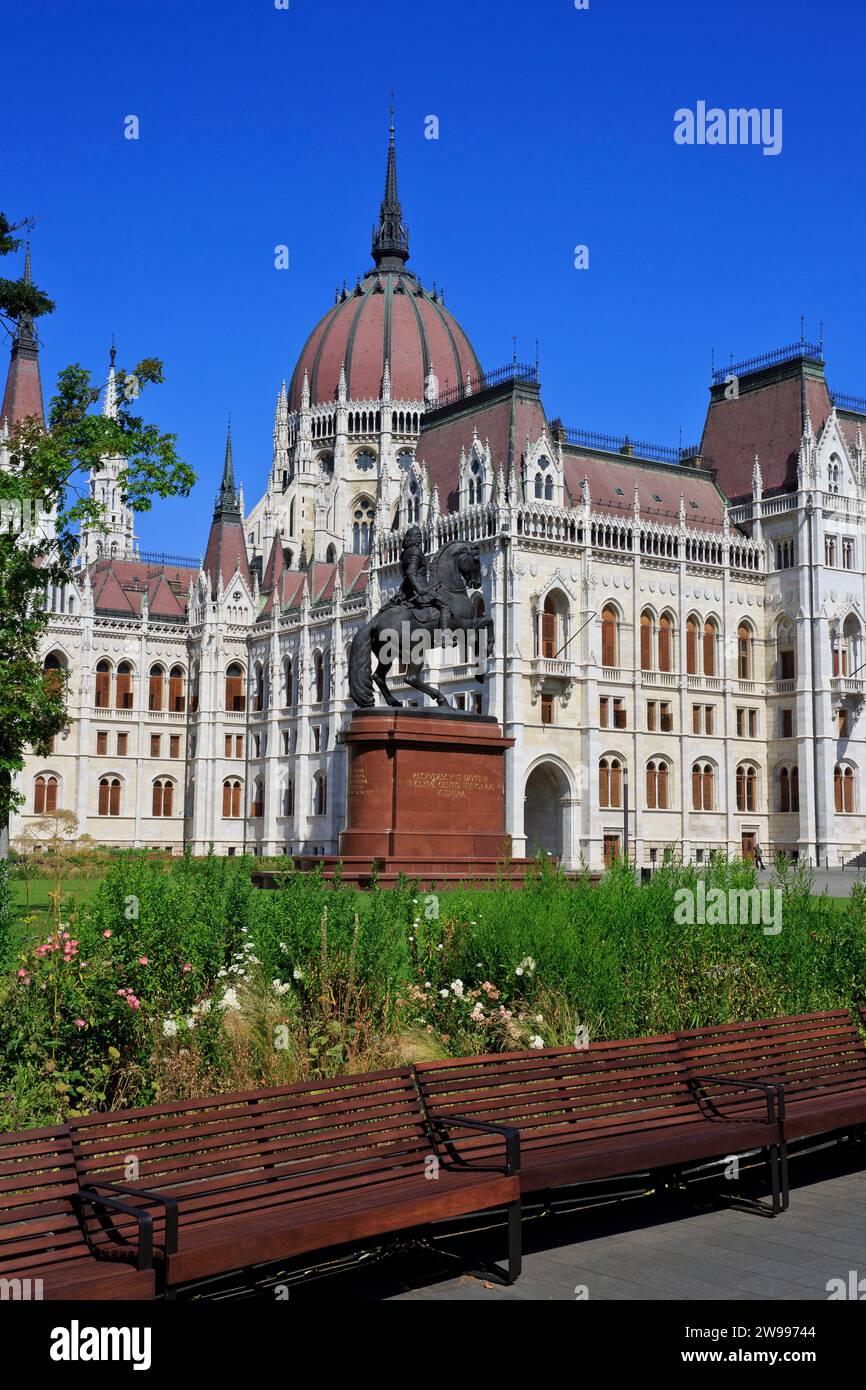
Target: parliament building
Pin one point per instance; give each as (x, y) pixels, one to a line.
(678, 651)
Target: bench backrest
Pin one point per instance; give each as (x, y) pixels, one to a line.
(810, 1053)
(607, 1087)
(315, 1135)
(38, 1188)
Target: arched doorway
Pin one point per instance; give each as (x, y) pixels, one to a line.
(543, 811)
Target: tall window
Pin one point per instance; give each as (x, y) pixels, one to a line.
(45, 795)
(289, 681)
(789, 789)
(232, 790)
(109, 796)
(646, 641)
(176, 695)
(843, 787)
(703, 787)
(610, 783)
(548, 629)
(609, 636)
(544, 480)
(289, 798)
(123, 686)
(163, 792)
(691, 647)
(744, 652)
(666, 628)
(709, 647)
(102, 698)
(657, 785)
(235, 697)
(258, 687)
(747, 788)
(258, 806)
(362, 525)
(320, 794)
(476, 483)
(155, 685)
(319, 677)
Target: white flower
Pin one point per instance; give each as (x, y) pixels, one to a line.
(457, 988)
(439, 947)
(443, 994)
(279, 987)
(230, 1000)
(169, 1028)
(477, 1013)
(536, 1041)
(221, 974)
(283, 947)
(427, 984)
(539, 1018)
(248, 946)
(190, 1023)
(253, 960)
(297, 973)
(519, 970)
(527, 964)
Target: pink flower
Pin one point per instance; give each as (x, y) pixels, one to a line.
(142, 960)
(106, 933)
(187, 968)
(79, 1023)
(22, 974)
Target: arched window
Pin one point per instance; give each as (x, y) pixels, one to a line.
(331, 554)
(610, 783)
(548, 628)
(320, 794)
(176, 693)
(363, 513)
(163, 793)
(235, 697)
(289, 681)
(413, 503)
(405, 459)
(45, 794)
(784, 789)
(102, 698)
(646, 641)
(258, 806)
(657, 785)
(476, 483)
(544, 480)
(744, 652)
(609, 636)
(786, 667)
(289, 798)
(258, 687)
(666, 628)
(123, 686)
(703, 787)
(53, 668)
(232, 790)
(319, 677)
(155, 684)
(710, 635)
(692, 647)
(747, 788)
(844, 788)
(326, 464)
(109, 796)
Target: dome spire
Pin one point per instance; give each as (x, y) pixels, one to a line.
(391, 238)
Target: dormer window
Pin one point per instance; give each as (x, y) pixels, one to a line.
(544, 480)
(476, 483)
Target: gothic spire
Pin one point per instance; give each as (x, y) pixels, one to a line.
(227, 498)
(23, 394)
(391, 238)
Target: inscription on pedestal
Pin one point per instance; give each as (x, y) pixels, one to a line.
(453, 785)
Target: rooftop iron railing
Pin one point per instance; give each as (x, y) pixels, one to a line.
(813, 351)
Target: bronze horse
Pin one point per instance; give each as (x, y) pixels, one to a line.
(452, 571)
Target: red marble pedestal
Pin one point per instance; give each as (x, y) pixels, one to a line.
(425, 798)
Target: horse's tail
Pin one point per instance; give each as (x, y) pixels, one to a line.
(360, 668)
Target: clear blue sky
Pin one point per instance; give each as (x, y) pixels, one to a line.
(262, 126)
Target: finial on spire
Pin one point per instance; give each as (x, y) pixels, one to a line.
(227, 497)
(391, 237)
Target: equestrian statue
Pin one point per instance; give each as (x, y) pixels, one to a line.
(437, 600)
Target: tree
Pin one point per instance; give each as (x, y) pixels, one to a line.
(49, 469)
(58, 835)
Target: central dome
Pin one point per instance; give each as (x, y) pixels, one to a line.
(388, 318)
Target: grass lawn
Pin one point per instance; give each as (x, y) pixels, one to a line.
(34, 922)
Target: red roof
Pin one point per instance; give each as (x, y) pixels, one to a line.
(653, 482)
(23, 394)
(119, 587)
(764, 419)
(392, 319)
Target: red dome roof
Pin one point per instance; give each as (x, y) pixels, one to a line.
(388, 318)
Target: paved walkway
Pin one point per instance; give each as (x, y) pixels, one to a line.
(836, 882)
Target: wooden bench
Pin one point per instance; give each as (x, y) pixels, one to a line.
(614, 1109)
(254, 1178)
(819, 1059)
(56, 1243)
